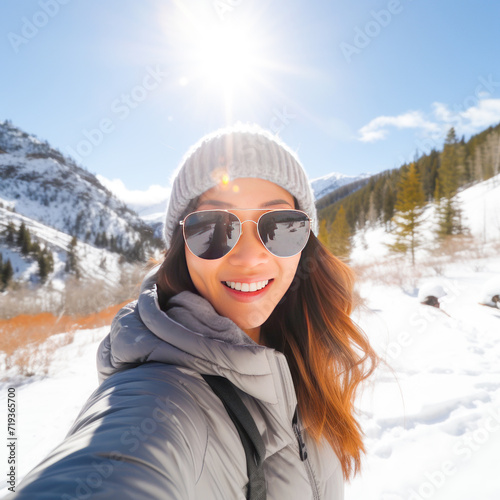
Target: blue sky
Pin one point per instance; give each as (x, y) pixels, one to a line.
(126, 87)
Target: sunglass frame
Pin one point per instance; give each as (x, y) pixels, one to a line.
(266, 211)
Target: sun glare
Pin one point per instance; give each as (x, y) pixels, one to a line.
(226, 60)
(226, 57)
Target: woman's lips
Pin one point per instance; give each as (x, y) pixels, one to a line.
(250, 294)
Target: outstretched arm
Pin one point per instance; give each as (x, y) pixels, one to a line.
(140, 435)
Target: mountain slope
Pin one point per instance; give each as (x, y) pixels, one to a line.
(42, 184)
(328, 183)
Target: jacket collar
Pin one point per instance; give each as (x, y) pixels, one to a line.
(193, 335)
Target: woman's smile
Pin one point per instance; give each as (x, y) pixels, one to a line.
(247, 292)
(247, 287)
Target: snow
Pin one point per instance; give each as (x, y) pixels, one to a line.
(326, 184)
(47, 406)
(431, 413)
(94, 262)
(431, 289)
(489, 290)
(480, 206)
(52, 191)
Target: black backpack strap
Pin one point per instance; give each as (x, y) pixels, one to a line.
(251, 439)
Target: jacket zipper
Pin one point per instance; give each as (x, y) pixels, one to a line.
(303, 455)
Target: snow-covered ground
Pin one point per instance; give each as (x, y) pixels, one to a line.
(432, 414)
(47, 406)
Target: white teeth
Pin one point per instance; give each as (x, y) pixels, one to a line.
(247, 287)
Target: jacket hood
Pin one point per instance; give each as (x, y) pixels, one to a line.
(192, 335)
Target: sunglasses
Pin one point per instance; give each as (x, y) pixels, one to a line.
(211, 234)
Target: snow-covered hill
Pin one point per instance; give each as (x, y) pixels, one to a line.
(328, 183)
(480, 206)
(94, 263)
(52, 195)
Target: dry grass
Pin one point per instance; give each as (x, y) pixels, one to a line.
(28, 341)
(79, 297)
(400, 273)
(37, 322)
(397, 270)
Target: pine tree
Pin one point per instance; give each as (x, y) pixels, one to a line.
(409, 207)
(24, 239)
(43, 271)
(449, 175)
(6, 274)
(323, 233)
(72, 259)
(11, 230)
(340, 235)
(45, 261)
(388, 205)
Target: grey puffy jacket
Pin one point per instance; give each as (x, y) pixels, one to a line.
(155, 430)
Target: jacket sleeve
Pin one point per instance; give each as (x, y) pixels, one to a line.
(140, 435)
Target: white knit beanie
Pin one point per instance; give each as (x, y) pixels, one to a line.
(236, 152)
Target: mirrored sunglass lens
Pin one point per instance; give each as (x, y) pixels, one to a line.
(210, 235)
(285, 233)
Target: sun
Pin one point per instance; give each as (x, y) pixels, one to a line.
(226, 60)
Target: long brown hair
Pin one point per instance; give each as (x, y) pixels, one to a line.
(328, 355)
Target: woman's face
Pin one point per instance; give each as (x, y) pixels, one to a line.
(249, 262)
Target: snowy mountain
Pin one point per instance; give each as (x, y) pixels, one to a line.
(53, 196)
(330, 182)
(150, 204)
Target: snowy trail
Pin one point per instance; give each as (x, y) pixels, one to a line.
(433, 420)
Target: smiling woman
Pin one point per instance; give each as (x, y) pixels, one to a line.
(248, 297)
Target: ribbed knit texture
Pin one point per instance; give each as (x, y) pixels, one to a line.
(240, 151)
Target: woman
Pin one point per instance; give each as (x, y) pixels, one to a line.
(245, 292)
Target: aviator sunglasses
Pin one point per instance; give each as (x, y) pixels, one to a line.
(211, 234)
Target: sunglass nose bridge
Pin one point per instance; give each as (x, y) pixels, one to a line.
(249, 220)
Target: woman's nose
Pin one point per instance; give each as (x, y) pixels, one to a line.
(249, 251)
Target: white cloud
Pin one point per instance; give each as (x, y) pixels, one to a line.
(486, 113)
(474, 119)
(377, 129)
(133, 197)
